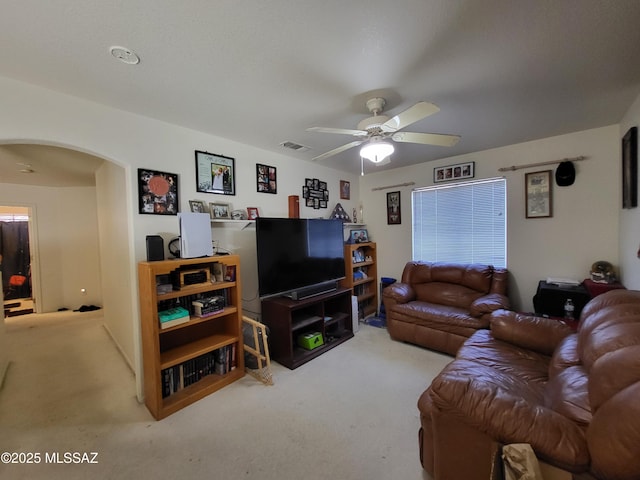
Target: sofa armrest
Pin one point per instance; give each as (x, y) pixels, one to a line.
(398, 293)
(539, 334)
(489, 304)
(494, 402)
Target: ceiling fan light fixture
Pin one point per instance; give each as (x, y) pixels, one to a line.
(377, 150)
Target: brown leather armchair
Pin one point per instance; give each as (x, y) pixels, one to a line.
(440, 305)
(574, 397)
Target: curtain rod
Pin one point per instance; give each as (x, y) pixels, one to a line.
(551, 162)
(407, 184)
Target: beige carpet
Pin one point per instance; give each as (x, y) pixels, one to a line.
(350, 414)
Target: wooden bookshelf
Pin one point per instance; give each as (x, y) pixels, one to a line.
(188, 343)
(361, 258)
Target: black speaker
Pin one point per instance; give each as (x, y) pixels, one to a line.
(155, 248)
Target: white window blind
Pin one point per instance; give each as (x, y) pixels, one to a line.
(461, 223)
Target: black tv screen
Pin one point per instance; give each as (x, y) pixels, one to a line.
(294, 253)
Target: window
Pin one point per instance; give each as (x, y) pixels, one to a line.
(461, 223)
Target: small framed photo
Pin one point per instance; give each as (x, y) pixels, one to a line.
(358, 236)
(220, 210)
(266, 179)
(215, 174)
(538, 194)
(230, 273)
(252, 212)
(454, 172)
(197, 206)
(157, 192)
(393, 208)
(345, 190)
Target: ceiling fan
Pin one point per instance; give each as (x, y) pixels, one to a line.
(375, 131)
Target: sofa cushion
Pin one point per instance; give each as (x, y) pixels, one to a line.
(443, 293)
(529, 332)
(612, 373)
(488, 304)
(510, 409)
(565, 355)
(449, 318)
(613, 436)
(568, 394)
(482, 348)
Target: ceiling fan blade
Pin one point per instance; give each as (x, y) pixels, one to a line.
(438, 139)
(411, 115)
(341, 131)
(335, 151)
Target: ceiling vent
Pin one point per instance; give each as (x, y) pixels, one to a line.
(294, 146)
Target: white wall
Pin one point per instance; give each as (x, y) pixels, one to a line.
(116, 259)
(30, 114)
(583, 228)
(630, 218)
(67, 242)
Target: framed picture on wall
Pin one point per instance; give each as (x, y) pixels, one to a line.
(215, 173)
(630, 168)
(345, 190)
(393, 208)
(454, 172)
(266, 179)
(538, 194)
(157, 192)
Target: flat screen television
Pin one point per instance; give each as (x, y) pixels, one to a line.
(298, 257)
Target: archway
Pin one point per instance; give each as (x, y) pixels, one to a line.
(113, 245)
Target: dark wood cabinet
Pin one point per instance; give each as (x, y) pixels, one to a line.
(328, 314)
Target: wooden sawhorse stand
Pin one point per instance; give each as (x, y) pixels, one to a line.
(263, 373)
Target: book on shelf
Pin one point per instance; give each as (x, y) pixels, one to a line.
(173, 316)
(220, 361)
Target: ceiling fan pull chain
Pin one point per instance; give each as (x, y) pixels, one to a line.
(362, 166)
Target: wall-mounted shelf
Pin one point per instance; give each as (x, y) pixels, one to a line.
(348, 224)
(245, 223)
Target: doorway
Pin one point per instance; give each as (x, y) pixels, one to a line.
(16, 260)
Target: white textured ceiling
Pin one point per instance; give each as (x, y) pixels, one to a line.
(261, 72)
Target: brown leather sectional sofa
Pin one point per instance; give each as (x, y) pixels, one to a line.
(574, 397)
(440, 305)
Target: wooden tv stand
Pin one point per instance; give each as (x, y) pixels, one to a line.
(329, 314)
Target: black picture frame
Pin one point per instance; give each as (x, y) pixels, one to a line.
(157, 192)
(315, 193)
(215, 173)
(538, 195)
(266, 179)
(459, 171)
(630, 168)
(393, 208)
